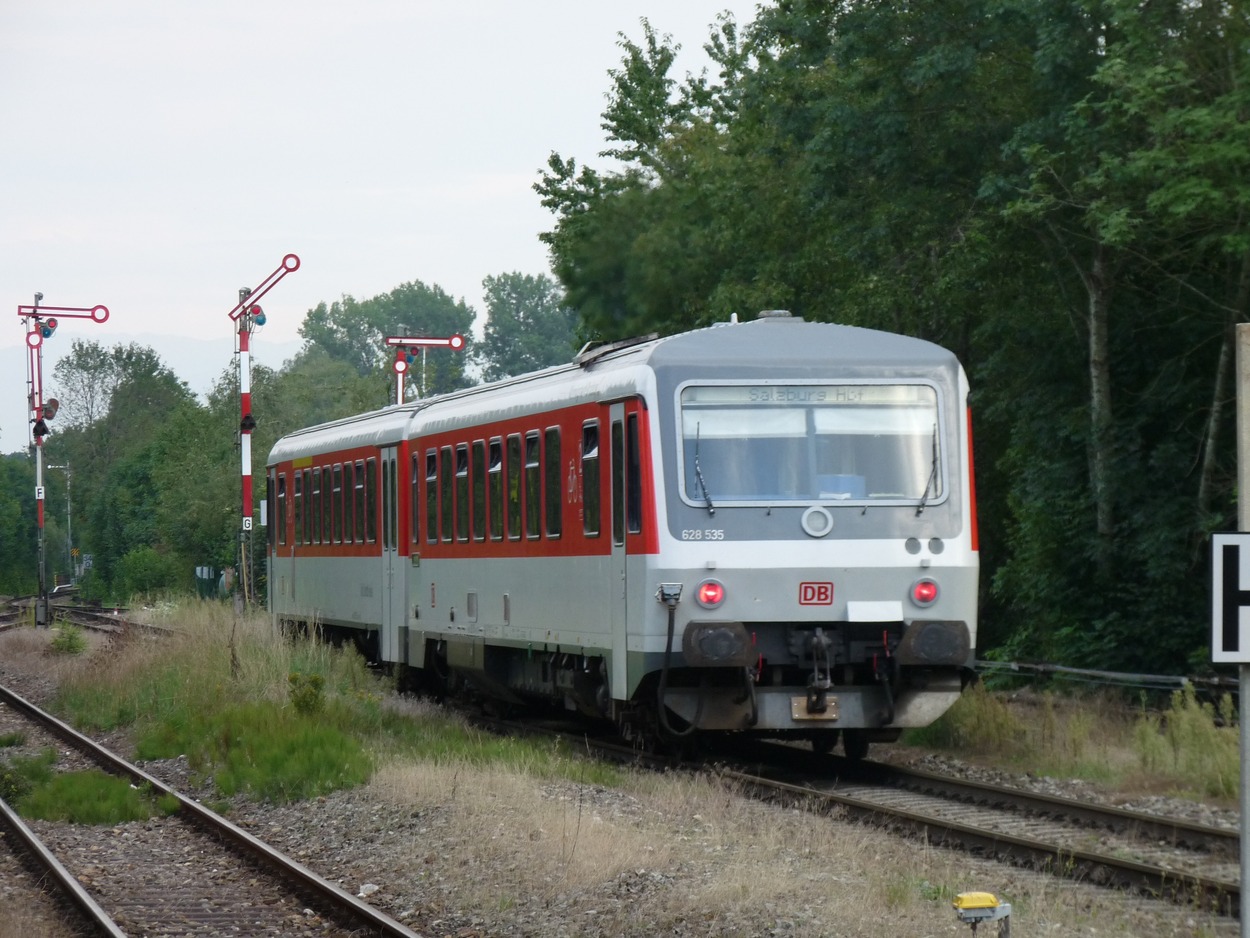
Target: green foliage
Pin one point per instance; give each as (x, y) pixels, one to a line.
(528, 326)
(144, 571)
(979, 722)
(69, 640)
(307, 693)
(354, 332)
(1058, 195)
(1196, 744)
(91, 797)
(21, 775)
(264, 750)
(18, 545)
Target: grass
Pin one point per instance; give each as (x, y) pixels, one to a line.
(1191, 749)
(275, 719)
(92, 797)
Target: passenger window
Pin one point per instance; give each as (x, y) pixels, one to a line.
(316, 505)
(447, 481)
(533, 484)
(495, 484)
(298, 479)
(360, 501)
(327, 500)
(336, 506)
(462, 492)
(371, 501)
(431, 495)
(618, 483)
(514, 486)
(349, 488)
(551, 472)
(414, 490)
(590, 478)
(280, 521)
(478, 487)
(308, 507)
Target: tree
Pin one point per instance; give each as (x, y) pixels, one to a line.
(527, 326)
(1058, 194)
(354, 332)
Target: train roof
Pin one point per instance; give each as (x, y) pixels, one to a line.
(807, 350)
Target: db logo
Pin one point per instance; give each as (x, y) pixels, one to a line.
(815, 594)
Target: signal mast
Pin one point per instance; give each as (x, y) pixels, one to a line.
(406, 350)
(248, 315)
(40, 325)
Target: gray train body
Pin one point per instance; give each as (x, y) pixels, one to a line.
(764, 527)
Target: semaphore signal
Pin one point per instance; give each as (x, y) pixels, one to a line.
(249, 316)
(40, 326)
(407, 348)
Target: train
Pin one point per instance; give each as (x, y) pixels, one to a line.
(765, 527)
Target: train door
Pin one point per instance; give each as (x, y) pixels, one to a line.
(619, 592)
(280, 582)
(394, 584)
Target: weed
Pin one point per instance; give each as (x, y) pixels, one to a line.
(306, 692)
(91, 797)
(1194, 745)
(69, 641)
(15, 738)
(23, 774)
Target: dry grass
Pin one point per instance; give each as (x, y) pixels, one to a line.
(677, 852)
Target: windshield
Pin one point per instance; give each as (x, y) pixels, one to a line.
(827, 442)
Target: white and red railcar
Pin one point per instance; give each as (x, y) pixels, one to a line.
(764, 527)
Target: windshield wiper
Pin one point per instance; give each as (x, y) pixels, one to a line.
(933, 467)
(698, 473)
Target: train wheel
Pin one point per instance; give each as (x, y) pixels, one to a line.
(855, 744)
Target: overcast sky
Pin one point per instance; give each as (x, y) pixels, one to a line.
(160, 154)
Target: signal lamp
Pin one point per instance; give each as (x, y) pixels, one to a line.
(248, 424)
(47, 327)
(40, 430)
(924, 592)
(50, 407)
(710, 593)
(258, 315)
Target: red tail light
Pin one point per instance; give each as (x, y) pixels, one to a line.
(710, 593)
(924, 592)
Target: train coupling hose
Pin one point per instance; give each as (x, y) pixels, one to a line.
(670, 595)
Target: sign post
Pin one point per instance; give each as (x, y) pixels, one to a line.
(1230, 599)
(40, 325)
(248, 315)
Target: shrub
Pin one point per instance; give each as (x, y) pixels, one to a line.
(69, 641)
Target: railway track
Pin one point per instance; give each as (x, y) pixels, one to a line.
(1144, 854)
(191, 873)
(1149, 855)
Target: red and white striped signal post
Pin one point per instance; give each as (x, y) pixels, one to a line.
(42, 324)
(406, 351)
(248, 314)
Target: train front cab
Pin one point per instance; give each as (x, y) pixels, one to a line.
(817, 571)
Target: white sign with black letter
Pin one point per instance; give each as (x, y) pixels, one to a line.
(1230, 598)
